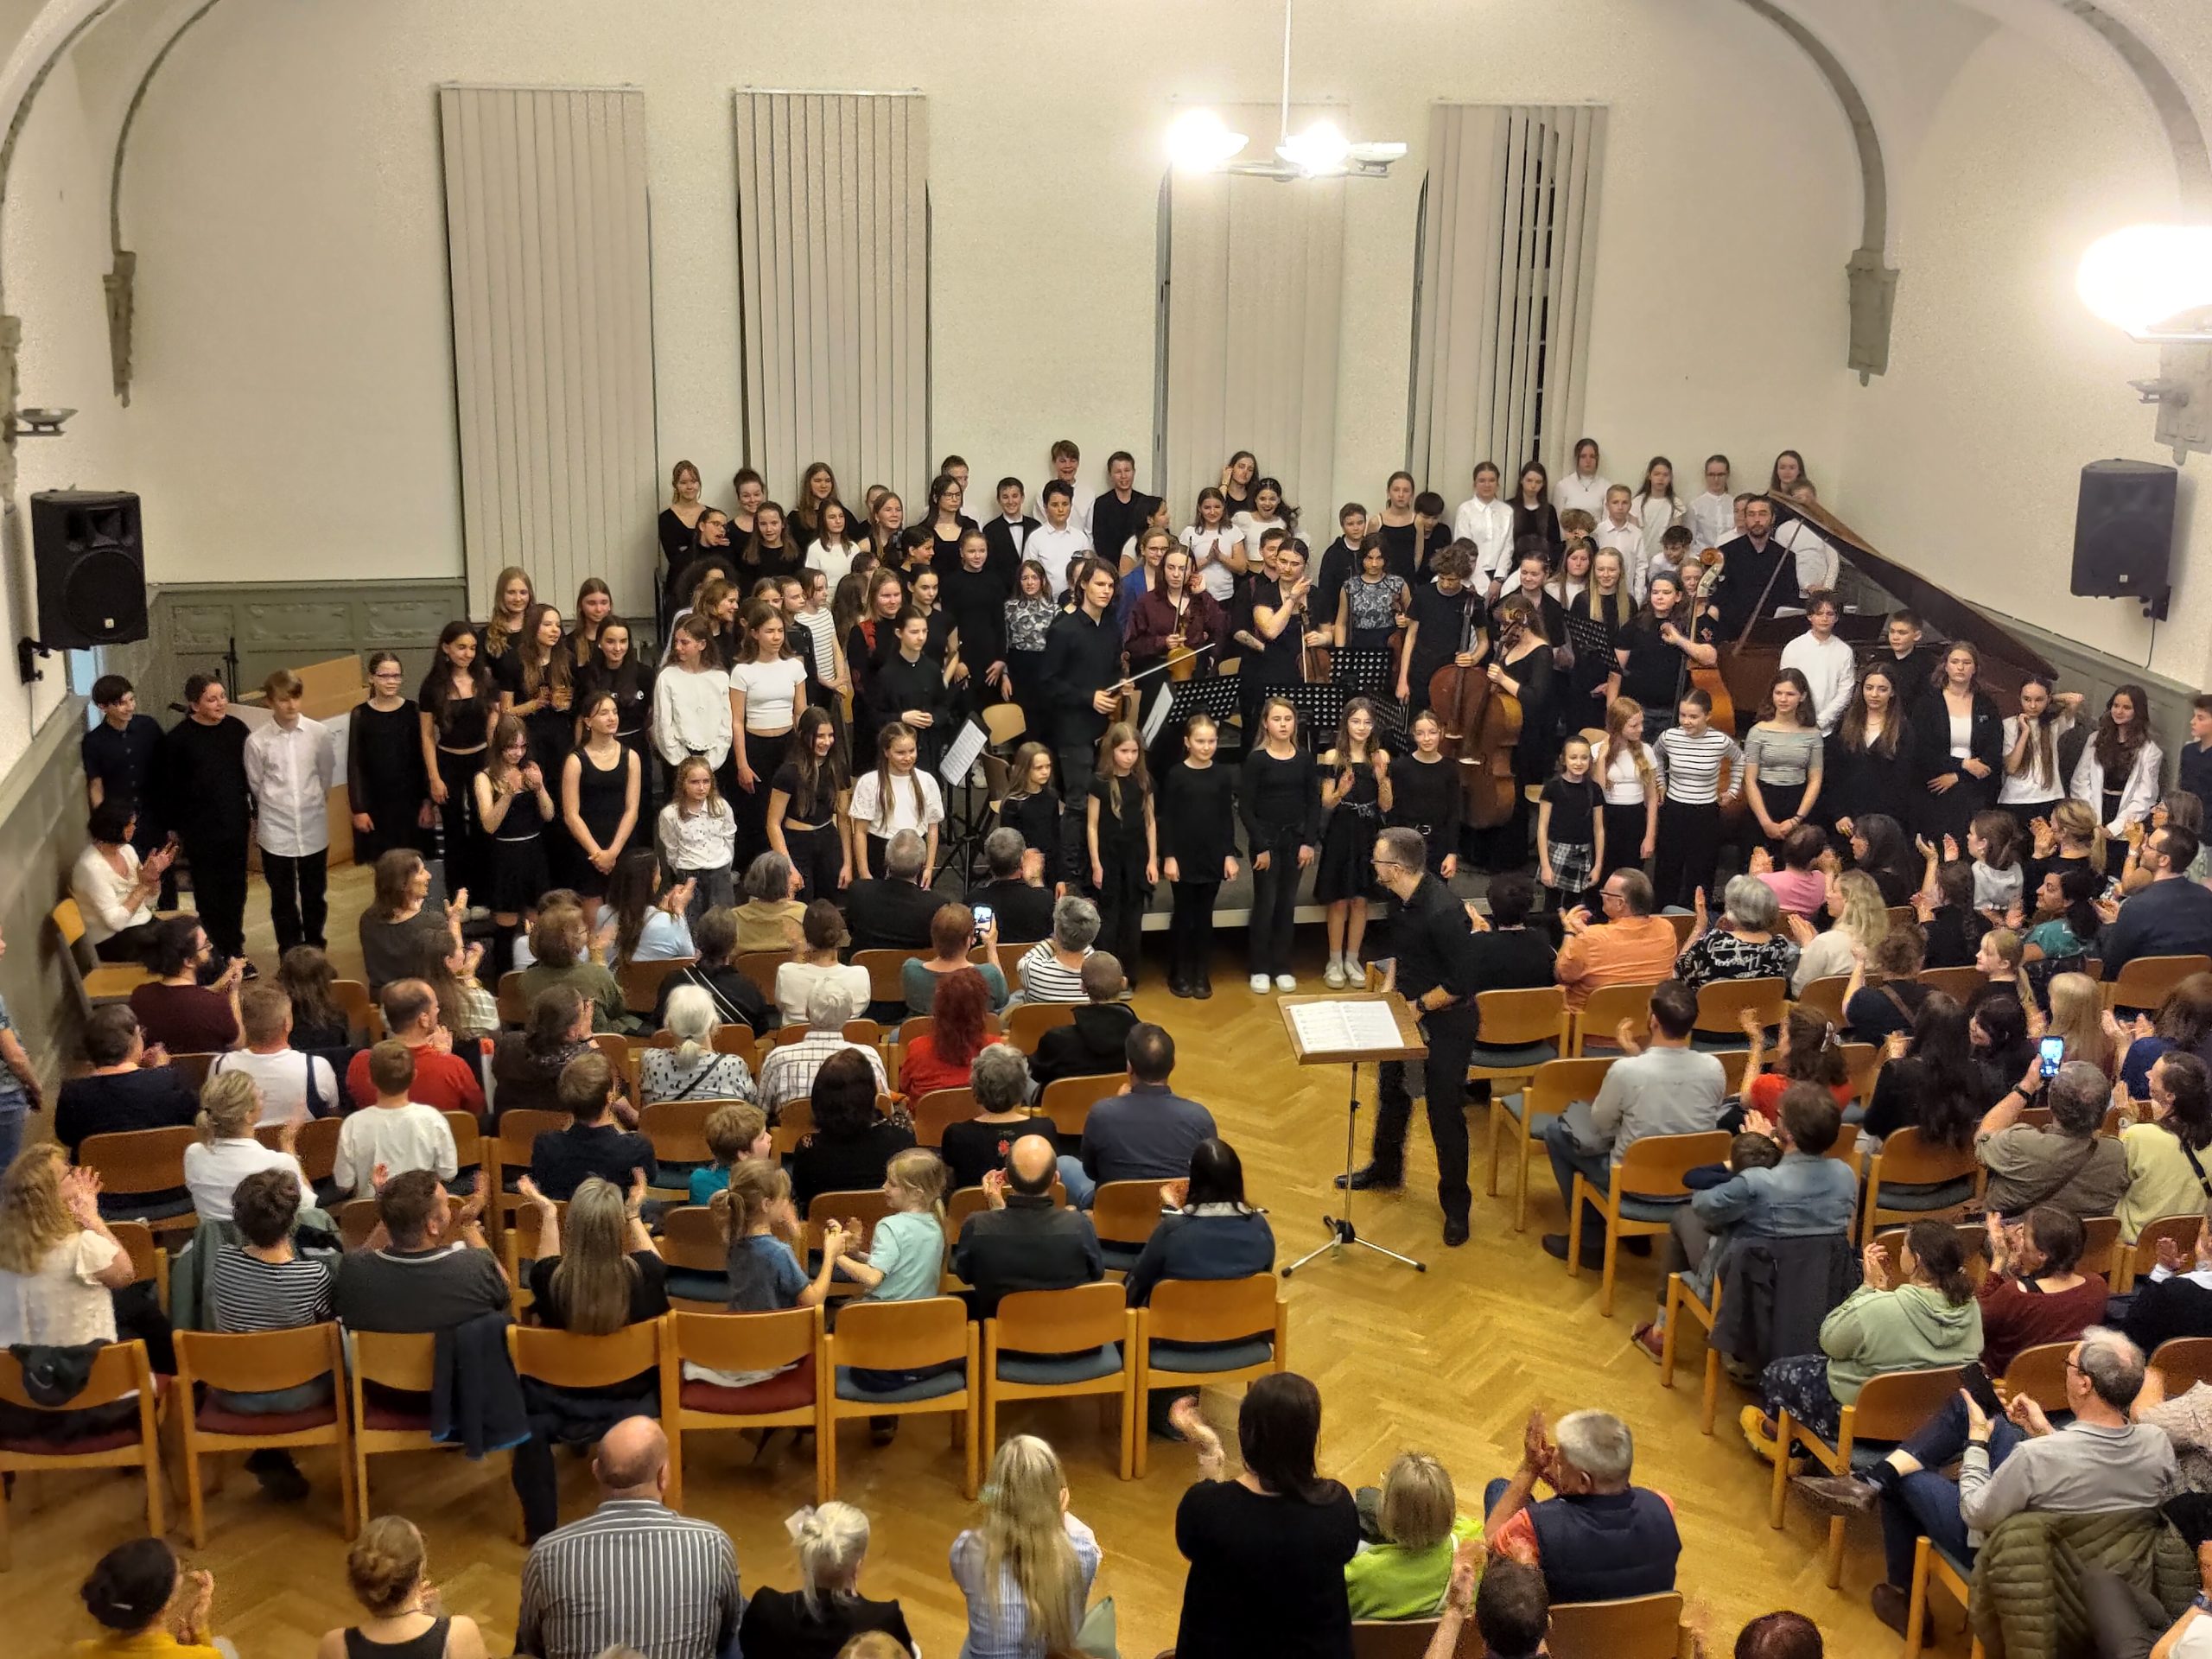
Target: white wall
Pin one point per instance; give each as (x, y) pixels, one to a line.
(284, 195)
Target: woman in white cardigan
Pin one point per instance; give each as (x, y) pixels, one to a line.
(2117, 773)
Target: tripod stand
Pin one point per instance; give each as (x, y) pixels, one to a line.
(1341, 1231)
(1347, 1048)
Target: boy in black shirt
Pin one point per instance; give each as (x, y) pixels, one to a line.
(119, 767)
(595, 1144)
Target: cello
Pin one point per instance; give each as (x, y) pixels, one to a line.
(1481, 727)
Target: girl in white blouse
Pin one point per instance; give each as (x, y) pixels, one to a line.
(767, 687)
(691, 701)
(896, 796)
(831, 554)
(1628, 774)
(1585, 486)
(2118, 774)
(1217, 548)
(2031, 787)
(1658, 510)
(1267, 514)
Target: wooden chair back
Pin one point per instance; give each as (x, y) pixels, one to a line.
(317, 1149)
(562, 1359)
(362, 1014)
(641, 981)
(2184, 1361)
(514, 1007)
(1825, 998)
(259, 1362)
(1558, 1084)
(1062, 1321)
(1517, 1019)
(1845, 1149)
(2101, 1245)
(467, 1139)
(1684, 927)
(1639, 1627)
(1005, 721)
(867, 1033)
(934, 1112)
(1908, 1156)
(1653, 1166)
(357, 1220)
(691, 1239)
(867, 1206)
(1958, 983)
(786, 1035)
(913, 1026)
(1068, 1101)
(401, 1360)
(886, 971)
(1396, 1638)
(2136, 1265)
(741, 1041)
(1126, 1212)
(1722, 1004)
(146, 1257)
(1863, 1062)
(902, 1336)
(759, 967)
(1212, 1310)
(745, 1342)
(192, 1070)
(794, 1122)
(2145, 982)
(1026, 1021)
(1600, 1017)
(520, 1239)
(69, 922)
(2039, 1373)
(1895, 1404)
(119, 1370)
(677, 1129)
(1734, 1063)
(138, 1160)
(619, 1055)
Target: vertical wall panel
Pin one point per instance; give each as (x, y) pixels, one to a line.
(833, 287)
(550, 270)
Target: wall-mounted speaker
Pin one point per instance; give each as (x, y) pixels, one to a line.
(92, 568)
(2124, 531)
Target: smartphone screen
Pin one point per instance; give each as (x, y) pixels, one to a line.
(1975, 1381)
(2052, 1049)
(983, 914)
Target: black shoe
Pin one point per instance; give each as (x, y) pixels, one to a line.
(1636, 1246)
(1455, 1232)
(1891, 1606)
(1372, 1179)
(1593, 1255)
(279, 1475)
(881, 1431)
(1179, 985)
(1202, 984)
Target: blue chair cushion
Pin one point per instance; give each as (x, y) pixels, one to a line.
(930, 1388)
(1897, 1196)
(1526, 1054)
(1061, 1368)
(1229, 1356)
(697, 1284)
(1516, 1104)
(1636, 1209)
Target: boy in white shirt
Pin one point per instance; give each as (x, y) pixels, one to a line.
(1625, 535)
(1712, 515)
(398, 1133)
(294, 1086)
(1058, 543)
(1816, 558)
(1824, 660)
(1067, 463)
(1488, 523)
(290, 764)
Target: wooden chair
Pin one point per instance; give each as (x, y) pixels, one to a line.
(886, 973)
(1722, 1004)
(793, 1124)
(1520, 1029)
(2137, 1263)
(1890, 1408)
(1825, 998)
(509, 1156)
(357, 1221)
(1125, 1214)
(149, 1262)
(93, 982)
(677, 1129)
(788, 1343)
(2145, 982)
(1601, 1016)
(1974, 1243)
(1863, 1063)
(1555, 1086)
(743, 1042)
(1634, 1202)
(759, 967)
(1396, 1638)
(692, 1246)
(2039, 1373)
(518, 1246)
(1682, 1303)
(362, 1014)
(1005, 722)
(139, 1161)
(1958, 983)
(192, 1070)
(119, 1371)
(1684, 925)
(514, 1007)
(641, 981)
(786, 1035)
(2184, 1361)
(259, 1362)
(2101, 1245)
(1951, 1178)
(1068, 1101)
(913, 1026)
(1026, 1022)
(621, 1056)
(317, 1148)
(563, 1359)
(1249, 1313)
(391, 1365)
(866, 1206)
(937, 1111)
(1931, 1566)
(467, 1145)
(1090, 1330)
(1639, 1627)
(903, 1337)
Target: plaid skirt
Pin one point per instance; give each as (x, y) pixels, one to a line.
(1571, 864)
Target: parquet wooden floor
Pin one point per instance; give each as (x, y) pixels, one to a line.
(1451, 1360)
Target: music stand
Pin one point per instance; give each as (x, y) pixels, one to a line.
(1215, 695)
(1587, 634)
(1409, 1046)
(1320, 710)
(965, 823)
(1362, 673)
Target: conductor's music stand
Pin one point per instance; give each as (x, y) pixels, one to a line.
(1409, 1046)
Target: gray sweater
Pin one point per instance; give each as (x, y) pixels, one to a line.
(2077, 1470)
(1661, 1091)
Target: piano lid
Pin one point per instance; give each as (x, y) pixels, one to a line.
(1944, 612)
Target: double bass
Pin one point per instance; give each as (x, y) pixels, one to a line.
(1481, 727)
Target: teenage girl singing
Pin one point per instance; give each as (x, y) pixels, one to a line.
(1356, 790)
(1280, 799)
(808, 803)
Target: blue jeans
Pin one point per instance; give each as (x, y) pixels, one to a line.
(1926, 1503)
(1081, 1188)
(11, 1134)
(1568, 1155)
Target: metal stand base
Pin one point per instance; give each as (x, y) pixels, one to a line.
(1340, 1229)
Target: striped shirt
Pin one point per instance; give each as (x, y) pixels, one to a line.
(998, 1614)
(787, 1073)
(1691, 764)
(1044, 980)
(247, 1294)
(634, 1573)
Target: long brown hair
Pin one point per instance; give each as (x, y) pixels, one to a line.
(1852, 729)
(2040, 758)
(2117, 747)
(592, 1279)
(886, 740)
(816, 774)
(1119, 733)
(496, 632)
(544, 667)
(582, 645)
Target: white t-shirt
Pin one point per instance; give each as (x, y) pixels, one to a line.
(867, 805)
(795, 984)
(1214, 546)
(2195, 1641)
(1624, 784)
(99, 893)
(63, 1304)
(283, 1079)
(1252, 528)
(1056, 551)
(401, 1138)
(770, 690)
(833, 559)
(1587, 493)
(2029, 784)
(213, 1173)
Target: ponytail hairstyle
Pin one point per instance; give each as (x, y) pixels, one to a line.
(920, 1173)
(1941, 1259)
(832, 1542)
(894, 733)
(741, 1209)
(2040, 758)
(2077, 890)
(2077, 821)
(1816, 1052)
(1119, 733)
(2001, 837)
(229, 1101)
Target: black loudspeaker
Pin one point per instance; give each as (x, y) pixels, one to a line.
(2124, 531)
(92, 568)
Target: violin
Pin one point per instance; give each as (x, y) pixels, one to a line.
(1710, 680)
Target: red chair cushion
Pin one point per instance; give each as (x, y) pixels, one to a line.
(786, 1391)
(213, 1419)
(114, 1440)
(383, 1413)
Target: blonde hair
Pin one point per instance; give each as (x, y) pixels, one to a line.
(1025, 1539)
(2077, 1014)
(832, 1542)
(2073, 820)
(229, 1102)
(920, 1173)
(2005, 943)
(33, 1218)
(496, 632)
(1417, 1502)
(1618, 713)
(1865, 918)
(385, 1564)
(592, 1279)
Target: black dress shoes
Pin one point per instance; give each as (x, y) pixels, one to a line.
(1372, 1179)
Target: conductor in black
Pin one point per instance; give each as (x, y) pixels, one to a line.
(1436, 974)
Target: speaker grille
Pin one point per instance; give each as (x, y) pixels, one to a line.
(105, 595)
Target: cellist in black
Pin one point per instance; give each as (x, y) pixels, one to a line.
(1447, 626)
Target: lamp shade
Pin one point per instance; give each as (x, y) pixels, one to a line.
(2145, 275)
(1199, 140)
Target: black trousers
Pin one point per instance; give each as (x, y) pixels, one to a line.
(817, 855)
(218, 892)
(1190, 930)
(763, 755)
(297, 905)
(1686, 853)
(1275, 904)
(1624, 841)
(133, 943)
(1121, 904)
(466, 862)
(1451, 1035)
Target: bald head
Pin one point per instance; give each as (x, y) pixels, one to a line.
(632, 1459)
(1030, 1165)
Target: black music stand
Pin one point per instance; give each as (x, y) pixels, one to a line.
(1214, 695)
(1587, 634)
(1361, 673)
(1320, 711)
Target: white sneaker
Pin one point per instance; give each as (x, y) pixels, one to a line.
(1333, 975)
(1286, 983)
(1259, 983)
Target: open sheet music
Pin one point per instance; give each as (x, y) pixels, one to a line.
(1344, 1028)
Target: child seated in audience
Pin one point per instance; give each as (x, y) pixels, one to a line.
(1993, 843)
(396, 1132)
(1954, 927)
(1409, 1531)
(1807, 1050)
(762, 1228)
(1748, 1149)
(733, 1133)
(905, 1257)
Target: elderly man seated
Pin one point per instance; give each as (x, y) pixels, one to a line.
(787, 1073)
(1634, 947)
(2011, 1463)
(892, 912)
(1597, 1538)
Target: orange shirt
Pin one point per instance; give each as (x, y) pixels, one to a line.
(1635, 951)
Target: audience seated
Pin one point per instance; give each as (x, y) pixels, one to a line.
(2032, 1293)
(893, 912)
(2166, 1150)
(560, 942)
(1053, 970)
(1206, 1230)
(1000, 1081)
(1266, 1551)
(941, 1058)
(788, 1072)
(596, 1143)
(737, 1000)
(1633, 948)
(1022, 1241)
(1885, 994)
(1146, 1133)
(400, 919)
(177, 1012)
(852, 1143)
(736, 1131)
(2183, 1022)
(128, 1088)
(414, 1018)
(2171, 917)
(1512, 1608)
(292, 1085)
(692, 1070)
(1095, 1042)
(1410, 1530)
(2069, 1164)
(388, 1571)
(1027, 1570)
(769, 919)
(1597, 1538)
(2175, 1299)
(526, 1064)
(827, 1610)
(953, 930)
(305, 975)
(144, 1602)
(227, 1151)
(263, 1281)
(633, 1571)
(114, 893)
(766, 1242)
(1747, 942)
(1667, 1088)
(1022, 907)
(1860, 924)
(395, 1131)
(1929, 1082)
(816, 960)
(58, 1262)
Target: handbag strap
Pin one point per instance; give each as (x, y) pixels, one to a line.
(2189, 1153)
(2059, 1185)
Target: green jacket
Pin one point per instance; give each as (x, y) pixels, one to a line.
(1912, 1328)
(1390, 1581)
(2026, 1600)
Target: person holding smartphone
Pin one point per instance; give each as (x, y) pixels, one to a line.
(2069, 1164)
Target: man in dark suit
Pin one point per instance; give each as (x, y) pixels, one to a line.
(1096, 1043)
(1023, 1242)
(1024, 909)
(1006, 534)
(894, 912)
(2172, 916)
(1759, 574)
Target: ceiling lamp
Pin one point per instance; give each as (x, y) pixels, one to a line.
(2154, 283)
(1199, 141)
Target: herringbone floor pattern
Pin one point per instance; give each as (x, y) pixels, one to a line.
(1451, 1360)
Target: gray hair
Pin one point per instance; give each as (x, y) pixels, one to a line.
(1074, 923)
(2079, 1095)
(768, 878)
(831, 1541)
(1000, 1079)
(1750, 904)
(2113, 1365)
(690, 1016)
(902, 859)
(1003, 851)
(831, 1002)
(1599, 1445)
(1404, 847)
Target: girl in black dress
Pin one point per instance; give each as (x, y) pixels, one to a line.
(1355, 792)
(620, 673)
(1570, 833)
(808, 799)
(458, 706)
(1427, 797)
(1959, 738)
(769, 550)
(909, 687)
(387, 784)
(1124, 844)
(817, 488)
(537, 683)
(1032, 807)
(1197, 843)
(594, 604)
(1533, 512)
(1870, 756)
(1522, 669)
(946, 521)
(679, 529)
(1279, 797)
(600, 782)
(512, 595)
(869, 643)
(514, 808)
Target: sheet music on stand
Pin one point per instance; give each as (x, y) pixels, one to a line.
(1215, 695)
(1344, 1027)
(1320, 710)
(960, 755)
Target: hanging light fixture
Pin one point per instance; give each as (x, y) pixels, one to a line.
(1199, 141)
(2154, 283)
